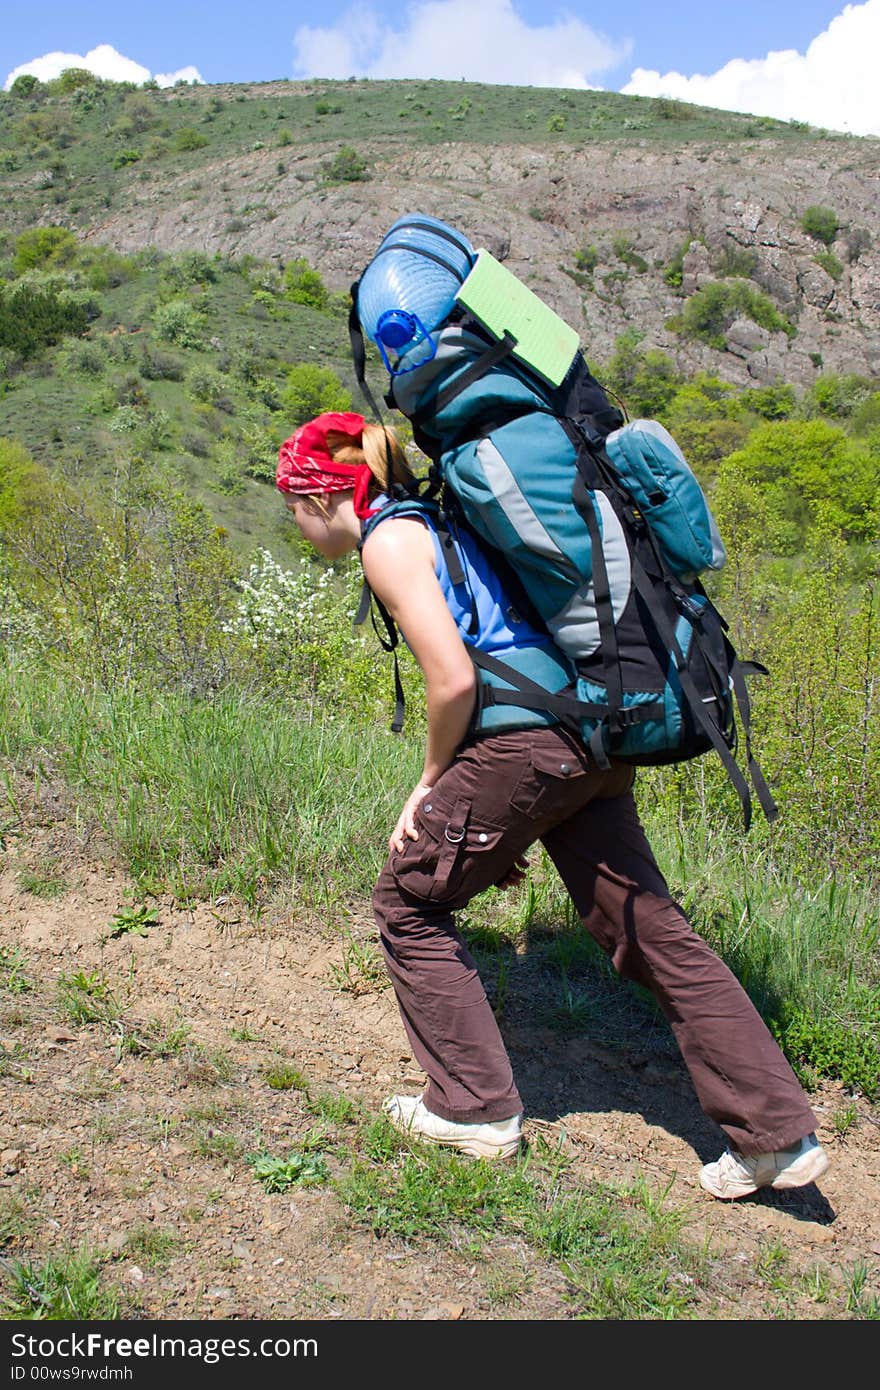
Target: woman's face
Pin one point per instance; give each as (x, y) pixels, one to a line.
(327, 521)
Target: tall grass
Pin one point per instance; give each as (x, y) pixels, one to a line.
(229, 794)
(233, 795)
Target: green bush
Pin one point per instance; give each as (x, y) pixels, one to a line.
(645, 380)
(587, 258)
(709, 312)
(180, 323)
(310, 391)
(24, 85)
(303, 285)
(346, 167)
(36, 311)
(188, 138)
(673, 271)
(829, 263)
(40, 247)
(126, 157)
(820, 223)
(827, 1047)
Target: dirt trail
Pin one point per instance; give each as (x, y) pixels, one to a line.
(143, 1155)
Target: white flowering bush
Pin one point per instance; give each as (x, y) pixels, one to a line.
(294, 630)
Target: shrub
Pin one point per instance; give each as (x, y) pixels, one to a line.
(829, 263)
(587, 258)
(160, 366)
(188, 138)
(624, 250)
(673, 272)
(43, 246)
(126, 157)
(180, 323)
(303, 285)
(820, 223)
(645, 380)
(73, 78)
(556, 122)
(37, 311)
(710, 312)
(310, 391)
(205, 384)
(347, 167)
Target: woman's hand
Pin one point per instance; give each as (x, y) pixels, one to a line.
(405, 829)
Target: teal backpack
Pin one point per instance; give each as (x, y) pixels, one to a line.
(599, 524)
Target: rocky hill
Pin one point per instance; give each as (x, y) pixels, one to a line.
(617, 212)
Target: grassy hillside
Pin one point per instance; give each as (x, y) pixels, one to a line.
(82, 150)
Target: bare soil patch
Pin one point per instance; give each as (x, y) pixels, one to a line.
(132, 1134)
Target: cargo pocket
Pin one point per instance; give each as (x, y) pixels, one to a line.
(449, 854)
(554, 778)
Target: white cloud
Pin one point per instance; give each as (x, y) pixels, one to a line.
(484, 41)
(103, 61)
(834, 84)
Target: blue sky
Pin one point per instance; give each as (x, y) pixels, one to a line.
(635, 45)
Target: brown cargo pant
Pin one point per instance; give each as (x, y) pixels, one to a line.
(501, 794)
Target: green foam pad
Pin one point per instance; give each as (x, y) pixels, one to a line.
(503, 304)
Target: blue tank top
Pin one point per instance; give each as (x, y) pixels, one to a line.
(480, 601)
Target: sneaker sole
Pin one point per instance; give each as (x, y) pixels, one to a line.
(804, 1173)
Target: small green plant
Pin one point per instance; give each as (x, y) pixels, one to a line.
(829, 263)
(133, 920)
(362, 970)
(335, 1109)
(624, 249)
(42, 883)
(12, 971)
(285, 1078)
(65, 1287)
(151, 1245)
(556, 122)
(187, 138)
(844, 1118)
(858, 1302)
(819, 1047)
(152, 1039)
(299, 1169)
(820, 223)
(87, 997)
(211, 1143)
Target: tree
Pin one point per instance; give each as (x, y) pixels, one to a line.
(24, 85)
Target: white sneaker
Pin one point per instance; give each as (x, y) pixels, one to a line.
(499, 1139)
(736, 1175)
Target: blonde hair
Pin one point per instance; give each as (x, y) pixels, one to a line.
(380, 446)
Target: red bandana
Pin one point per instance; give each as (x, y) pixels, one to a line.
(306, 466)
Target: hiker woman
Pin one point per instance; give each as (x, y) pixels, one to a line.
(496, 779)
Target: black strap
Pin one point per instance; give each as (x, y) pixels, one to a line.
(500, 349)
(613, 676)
(698, 710)
(369, 604)
(420, 251)
(530, 695)
(359, 353)
(738, 670)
